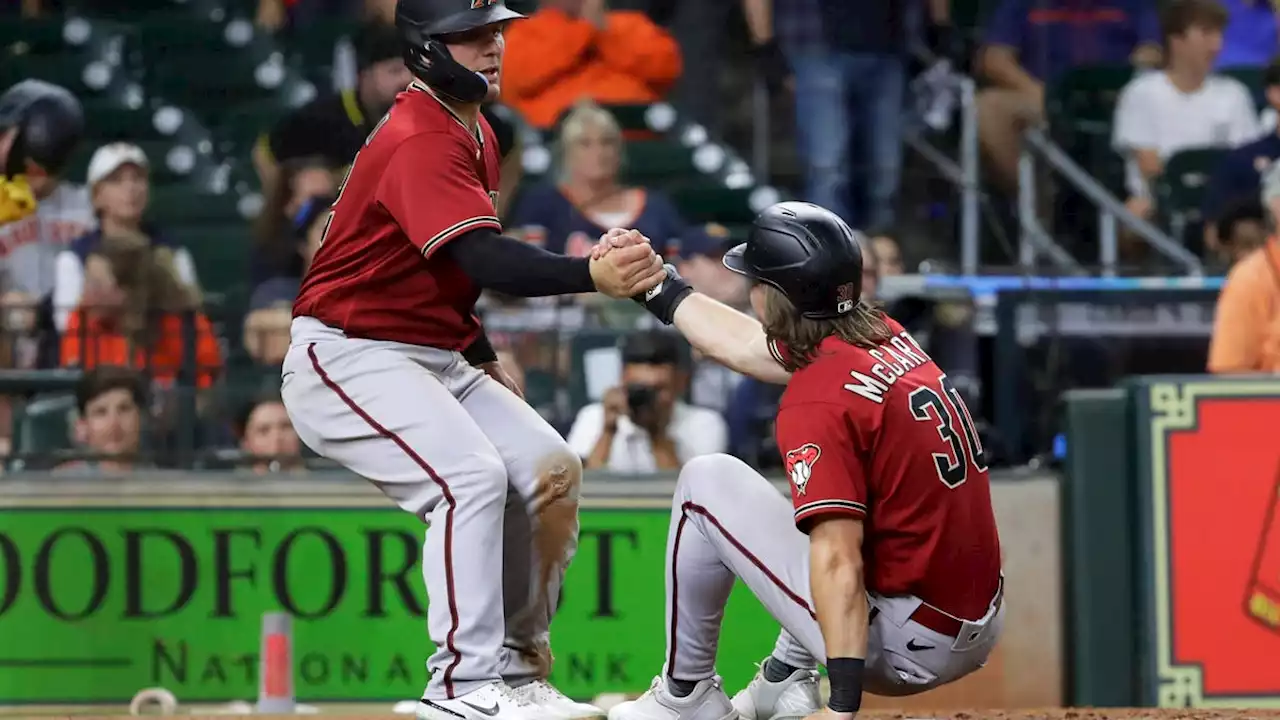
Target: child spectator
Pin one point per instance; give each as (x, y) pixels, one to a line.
(140, 314)
(109, 404)
(267, 438)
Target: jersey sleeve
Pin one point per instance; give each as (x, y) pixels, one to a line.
(432, 191)
(825, 474)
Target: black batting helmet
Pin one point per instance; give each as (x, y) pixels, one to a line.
(808, 253)
(50, 123)
(422, 22)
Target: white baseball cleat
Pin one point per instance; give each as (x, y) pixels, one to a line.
(553, 704)
(706, 702)
(795, 698)
(494, 701)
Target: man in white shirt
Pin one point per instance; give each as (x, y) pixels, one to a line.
(642, 426)
(1182, 106)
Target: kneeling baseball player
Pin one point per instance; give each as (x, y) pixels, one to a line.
(886, 567)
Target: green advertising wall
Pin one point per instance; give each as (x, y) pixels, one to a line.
(98, 602)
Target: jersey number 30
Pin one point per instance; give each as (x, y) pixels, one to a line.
(947, 410)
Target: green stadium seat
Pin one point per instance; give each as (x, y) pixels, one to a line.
(1081, 109)
(179, 204)
(655, 162)
(711, 202)
(220, 252)
(239, 130)
(43, 424)
(24, 37)
(63, 69)
(213, 83)
(108, 121)
(1180, 188)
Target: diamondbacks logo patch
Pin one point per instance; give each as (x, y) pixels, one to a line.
(799, 464)
(480, 4)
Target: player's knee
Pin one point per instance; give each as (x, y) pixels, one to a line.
(559, 480)
(708, 471)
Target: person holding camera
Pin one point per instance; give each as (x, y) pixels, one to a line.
(642, 426)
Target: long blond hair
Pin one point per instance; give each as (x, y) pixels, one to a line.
(865, 327)
(148, 277)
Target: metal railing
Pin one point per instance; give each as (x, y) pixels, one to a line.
(1034, 239)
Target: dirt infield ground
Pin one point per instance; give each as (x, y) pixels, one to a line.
(1061, 714)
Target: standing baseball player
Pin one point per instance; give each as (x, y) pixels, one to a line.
(389, 372)
(887, 568)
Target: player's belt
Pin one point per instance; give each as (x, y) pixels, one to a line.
(940, 622)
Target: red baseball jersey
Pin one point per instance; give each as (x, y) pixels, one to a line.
(883, 435)
(421, 179)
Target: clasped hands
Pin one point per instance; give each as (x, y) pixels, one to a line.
(623, 264)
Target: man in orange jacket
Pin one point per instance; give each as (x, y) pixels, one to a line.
(570, 49)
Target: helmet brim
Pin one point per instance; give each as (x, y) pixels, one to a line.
(472, 19)
(735, 259)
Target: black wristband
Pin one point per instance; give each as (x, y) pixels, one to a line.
(480, 352)
(845, 676)
(663, 299)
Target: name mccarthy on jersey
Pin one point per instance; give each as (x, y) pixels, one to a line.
(893, 360)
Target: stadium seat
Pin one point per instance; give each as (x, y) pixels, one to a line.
(654, 162)
(43, 424)
(30, 37)
(220, 252)
(63, 69)
(1180, 188)
(1081, 109)
(179, 204)
(108, 121)
(711, 202)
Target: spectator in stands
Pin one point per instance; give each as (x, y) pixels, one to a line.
(850, 66)
(571, 49)
(1242, 229)
(267, 438)
(701, 263)
(266, 327)
(1250, 37)
(1031, 44)
(109, 404)
(119, 187)
(140, 318)
(1184, 105)
(1237, 175)
(752, 410)
(276, 244)
(884, 246)
(589, 196)
(334, 127)
(701, 29)
(1246, 325)
(642, 426)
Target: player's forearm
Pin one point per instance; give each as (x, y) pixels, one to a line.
(729, 337)
(511, 267)
(839, 598)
